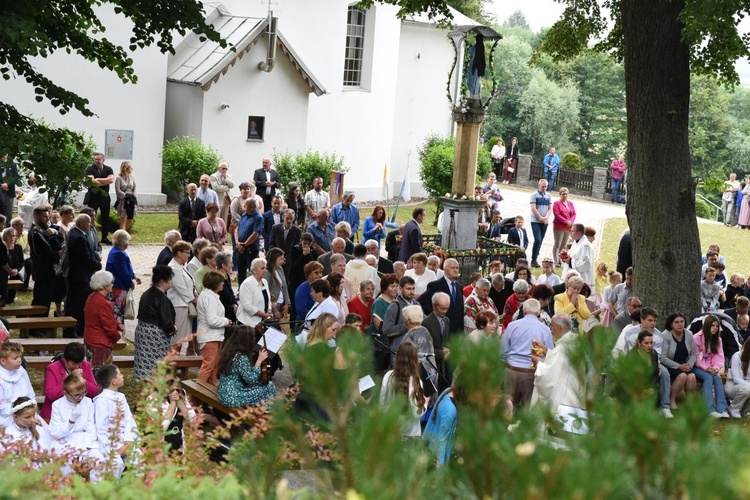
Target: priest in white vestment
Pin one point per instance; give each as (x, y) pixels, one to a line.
(556, 381)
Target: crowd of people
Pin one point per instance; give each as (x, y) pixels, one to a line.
(311, 274)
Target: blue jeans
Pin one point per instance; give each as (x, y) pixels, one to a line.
(551, 176)
(713, 390)
(665, 387)
(538, 230)
(616, 183)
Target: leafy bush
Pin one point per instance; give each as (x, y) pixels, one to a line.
(302, 168)
(704, 210)
(114, 221)
(184, 160)
(436, 158)
(571, 161)
(61, 168)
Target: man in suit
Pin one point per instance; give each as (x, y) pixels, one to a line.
(494, 232)
(411, 236)
(385, 266)
(337, 246)
(44, 244)
(83, 263)
(191, 210)
(266, 181)
(517, 235)
(285, 236)
(447, 284)
(8, 185)
(439, 326)
(270, 219)
(165, 256)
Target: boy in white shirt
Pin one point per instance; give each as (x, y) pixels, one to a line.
(73, 425)
(116, 429)
(14, 381)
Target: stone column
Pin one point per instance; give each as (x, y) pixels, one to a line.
(464, 234)
(523, 171)
(468, 120)
(599, 186)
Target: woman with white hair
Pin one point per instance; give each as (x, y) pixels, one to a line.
(118, 263)
(479, 300)
(521, 289)
(420, 337)
(573, 303)
(102, 330)
(255, 298)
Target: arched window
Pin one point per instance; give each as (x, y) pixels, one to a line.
(355, 47)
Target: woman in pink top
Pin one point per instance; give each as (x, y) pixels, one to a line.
(213, 228)
(709, 365)
(565, 217)
(72, 361)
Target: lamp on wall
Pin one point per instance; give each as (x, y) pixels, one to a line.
(224, 106)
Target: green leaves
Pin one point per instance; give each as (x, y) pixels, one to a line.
(184, 160)
(302, 168)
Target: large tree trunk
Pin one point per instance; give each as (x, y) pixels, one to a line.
(661, 192)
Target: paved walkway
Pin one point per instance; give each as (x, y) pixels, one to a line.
(588, 212)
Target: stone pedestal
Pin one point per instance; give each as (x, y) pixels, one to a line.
(599, 185)
(464, 233)
(523, 171)
(468, 121)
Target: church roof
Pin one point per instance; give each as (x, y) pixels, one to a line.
(458, 19)
(202, 63)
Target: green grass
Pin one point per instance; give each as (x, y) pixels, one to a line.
(150, 228)
(733, 243)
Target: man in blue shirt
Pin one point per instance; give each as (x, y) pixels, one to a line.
(551, 164)
(323, 232)
(249, 229)
(540, 202)
(515, 349)
(346, 212)
(205, 192)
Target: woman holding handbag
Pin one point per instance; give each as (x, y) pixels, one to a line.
(118, 263)
(212, 227)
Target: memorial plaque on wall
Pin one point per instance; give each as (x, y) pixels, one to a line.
(118, 144)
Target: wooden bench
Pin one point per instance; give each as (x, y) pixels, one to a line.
(44, 344)
(206, 394)
(22, 311)
(50, 324)
(15, 285)
(181, 364)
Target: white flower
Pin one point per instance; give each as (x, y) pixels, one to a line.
(464, 197)
(525, 449)
(447, 195)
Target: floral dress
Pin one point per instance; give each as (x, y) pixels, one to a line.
(242, 387)
(472, 306)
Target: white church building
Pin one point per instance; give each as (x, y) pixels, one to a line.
(336, 78)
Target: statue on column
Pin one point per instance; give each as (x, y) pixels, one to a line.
(477, 68)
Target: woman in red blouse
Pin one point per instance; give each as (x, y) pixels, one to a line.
(101, 330)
